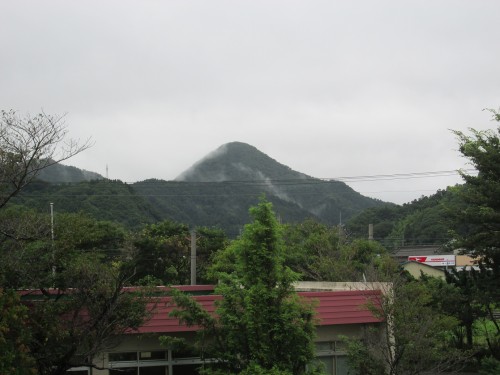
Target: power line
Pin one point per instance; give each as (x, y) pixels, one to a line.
(402, 176)
(309, 180)
(262, 182)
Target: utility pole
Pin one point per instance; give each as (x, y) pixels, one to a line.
(370, 232)
(340, 227)
(52, 222)
(52, 240)
(193, 257)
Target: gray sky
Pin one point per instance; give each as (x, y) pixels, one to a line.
(329, 88)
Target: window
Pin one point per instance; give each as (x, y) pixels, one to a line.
(138, 363)
(185, 362)
(120, 357)
(124, 371)
(333, 357)
(78, 371)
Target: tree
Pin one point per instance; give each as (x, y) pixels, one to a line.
(27, 252)
(477, 217)
(163, 252)
(76, 303)
(318, 253)
(416, 338)
(72, 323)
(481, 214)
(463, 303)
(29, 144)
(261, 326)
(14, 336)
(311, 249)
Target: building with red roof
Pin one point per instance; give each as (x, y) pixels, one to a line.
(342, 310)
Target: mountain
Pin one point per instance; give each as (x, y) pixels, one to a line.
(216, 191)
(243, 164)
(219, 189)
(103, 199)
(237, 161)
(58, 173)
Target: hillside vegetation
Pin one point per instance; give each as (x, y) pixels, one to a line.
(424, 221)
(101, 199)
(215, 192)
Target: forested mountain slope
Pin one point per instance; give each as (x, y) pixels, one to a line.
(220, 188)
(59, 173)
(424, 221)
(216, 191)
(102, 199)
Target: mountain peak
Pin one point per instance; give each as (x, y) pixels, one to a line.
(237, 161)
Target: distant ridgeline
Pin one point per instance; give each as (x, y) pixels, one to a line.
(58, 173)
(216, 191)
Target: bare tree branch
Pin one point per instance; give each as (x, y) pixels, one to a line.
(29, 144)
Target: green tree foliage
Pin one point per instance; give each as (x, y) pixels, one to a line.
(311, 248)
(26, 240)
(82, 232)
(362, 360)
(477, 219)
(383, 219)
(210, 241)
(76, 304)
(101, 199)
(423, 221)
(473, 302)
(77, 319)
(490, 366)
(15, 357)
(322, 253)
(417, 334)
(163, 252)
(481, 215)
(82, 319)
(462, 301)
(261, 323)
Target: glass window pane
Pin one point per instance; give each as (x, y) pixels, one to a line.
(324, 345)
(152, 355)
(186, 370)
(342, 366)
(124, 371)
(340, 346)
(154, 370)
(131, 356)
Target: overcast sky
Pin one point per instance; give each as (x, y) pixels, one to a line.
(329, 88)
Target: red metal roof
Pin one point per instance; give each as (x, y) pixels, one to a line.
(345, 307)
(332, 308)
(162, 322)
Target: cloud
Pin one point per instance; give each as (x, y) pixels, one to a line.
(329, 88)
